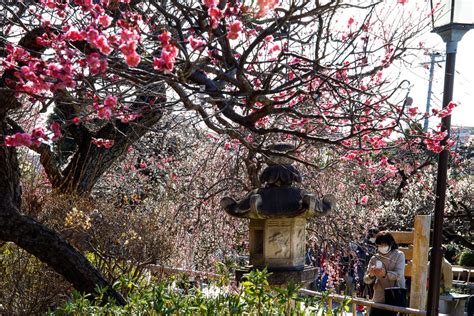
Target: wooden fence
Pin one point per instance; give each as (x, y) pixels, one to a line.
(416, 248)
(354, 301)
(161, 270)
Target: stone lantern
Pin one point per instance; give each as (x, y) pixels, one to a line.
(278, 213)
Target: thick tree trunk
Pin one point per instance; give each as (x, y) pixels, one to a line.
(90, 162)
(53, 250)
(37, 239)
(42, 242)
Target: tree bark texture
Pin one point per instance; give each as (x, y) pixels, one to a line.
(40, 241)
(90, 162)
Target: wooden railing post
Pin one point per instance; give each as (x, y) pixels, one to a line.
(355, 300)
(420, 262)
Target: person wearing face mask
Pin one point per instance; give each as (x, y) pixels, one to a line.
(386, 269)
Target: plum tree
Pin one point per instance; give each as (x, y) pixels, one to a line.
(82, 80)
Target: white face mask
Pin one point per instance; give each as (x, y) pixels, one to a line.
(372, 240)
(383, 249)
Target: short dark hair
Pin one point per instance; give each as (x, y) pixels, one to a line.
(386, 238)
(372, 232)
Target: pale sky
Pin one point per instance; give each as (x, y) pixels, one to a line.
(418, 75)
(463, 84)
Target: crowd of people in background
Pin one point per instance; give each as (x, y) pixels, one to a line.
(365, 270)
(350, 269)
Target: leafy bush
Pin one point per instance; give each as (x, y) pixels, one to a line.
(253, 296)
(118, 242)
(467, 258)
(452, 253)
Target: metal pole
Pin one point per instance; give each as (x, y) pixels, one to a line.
(436, 251)
(430, 85)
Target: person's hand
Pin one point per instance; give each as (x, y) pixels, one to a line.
(372, 271)
(378, 272)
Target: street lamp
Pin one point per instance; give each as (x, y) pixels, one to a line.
(451, 20)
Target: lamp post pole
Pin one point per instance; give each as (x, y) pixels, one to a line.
(436, 251)
(455, 18)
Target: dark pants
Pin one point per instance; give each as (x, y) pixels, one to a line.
(381, 312)
(470, 306)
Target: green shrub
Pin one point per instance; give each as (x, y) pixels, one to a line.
(254, 296)
(452, 252)
(467, 258)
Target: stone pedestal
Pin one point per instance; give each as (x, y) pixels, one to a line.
(278, 243)
(278, 212)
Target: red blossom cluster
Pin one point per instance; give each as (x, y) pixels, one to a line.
(413, 111)
(234, 29)
(214, 12)
(35, 138)
(168, 53)
(266, 5)
(125, 118)
(128, 47)
(56, 128)
(19, 139)
(100, 142)
(433, 140)
(105, 111)
(98, 40)
(196, 43)
(73, 35)
(35, 76)
(96, 64)
(445, 111)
